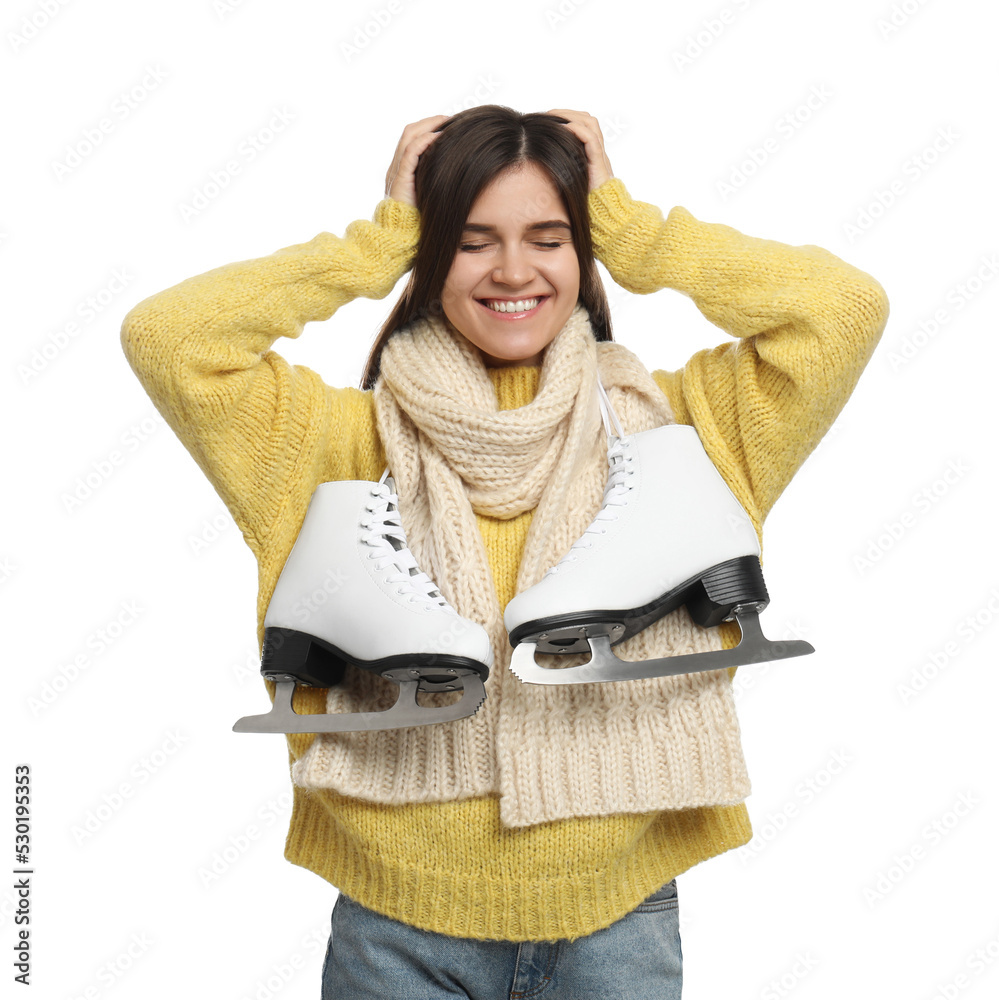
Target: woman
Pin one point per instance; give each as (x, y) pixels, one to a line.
(532, 847)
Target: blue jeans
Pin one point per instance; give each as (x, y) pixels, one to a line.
(373, 956)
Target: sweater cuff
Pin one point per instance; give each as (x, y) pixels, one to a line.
(632, 240)
(611, 208)
(399, 216)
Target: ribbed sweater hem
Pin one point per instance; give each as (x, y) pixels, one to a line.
(495, 895)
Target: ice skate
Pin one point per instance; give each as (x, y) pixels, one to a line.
(670, 532)
(351, 592)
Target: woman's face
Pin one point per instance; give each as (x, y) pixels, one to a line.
(517, 245)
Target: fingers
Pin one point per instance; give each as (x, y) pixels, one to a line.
(581, 124)
(582, 117)
(586, 128)
(416, 137)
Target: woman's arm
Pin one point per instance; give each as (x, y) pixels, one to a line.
(806, 325)
(201, 350)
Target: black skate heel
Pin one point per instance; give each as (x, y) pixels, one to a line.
(732, 590)
(729, 585)
(290, 657)
(289, 653)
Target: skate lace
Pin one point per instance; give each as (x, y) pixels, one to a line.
(387, 538)
(622, 468)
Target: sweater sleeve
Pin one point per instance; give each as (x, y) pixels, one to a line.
(805, 322)
(201, 350)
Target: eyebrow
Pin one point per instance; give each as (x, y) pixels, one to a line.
(478, 227)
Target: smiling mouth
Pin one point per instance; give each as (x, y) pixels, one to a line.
(513, 308)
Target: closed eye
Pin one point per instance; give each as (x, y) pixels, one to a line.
(473, 247)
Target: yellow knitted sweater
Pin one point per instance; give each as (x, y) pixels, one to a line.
(265, 433)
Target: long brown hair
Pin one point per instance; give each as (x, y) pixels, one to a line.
(474, 146)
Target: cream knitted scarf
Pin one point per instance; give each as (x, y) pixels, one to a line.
(549, 752)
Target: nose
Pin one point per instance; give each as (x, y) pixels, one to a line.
(513, 268)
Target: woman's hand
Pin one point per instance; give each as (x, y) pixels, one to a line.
(585, 126)
(399, 182)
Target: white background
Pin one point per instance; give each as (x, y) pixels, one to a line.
(874, 795)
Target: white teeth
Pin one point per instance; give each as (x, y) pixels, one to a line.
(520, 305)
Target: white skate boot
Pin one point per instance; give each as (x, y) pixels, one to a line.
(670, 532)
(351, 592)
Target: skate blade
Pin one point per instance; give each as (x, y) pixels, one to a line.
(604, 665)
(282, 718)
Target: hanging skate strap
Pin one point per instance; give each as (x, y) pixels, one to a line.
(607, 411)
